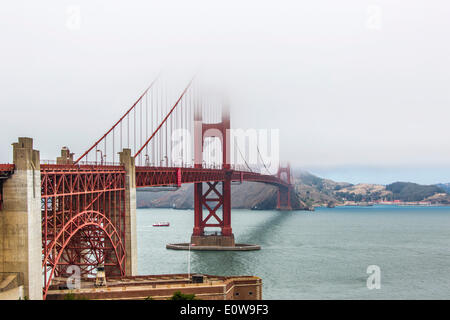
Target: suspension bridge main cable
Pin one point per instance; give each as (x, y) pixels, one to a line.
(260, 156)
(166, 117)
(120, 120)
(242, 156)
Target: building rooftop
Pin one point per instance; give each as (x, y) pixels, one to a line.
(160, 287)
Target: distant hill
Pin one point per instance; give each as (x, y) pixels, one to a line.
(310, 191)
(316, 191)
(364, 192)
(444, 186)
(408, 191)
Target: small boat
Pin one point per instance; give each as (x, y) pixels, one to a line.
(161, 224)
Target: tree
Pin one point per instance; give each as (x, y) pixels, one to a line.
(180, 296)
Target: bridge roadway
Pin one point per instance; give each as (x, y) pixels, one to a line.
(163, 176)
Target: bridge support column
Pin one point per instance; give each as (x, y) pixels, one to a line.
(130, 212)
(20, 220)
(226, 206)
(198, 211)
(212, 200)
(284, 199)
(284, 193)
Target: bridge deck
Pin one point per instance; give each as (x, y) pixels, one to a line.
(6, 170)
(161, 176)
(157, 176)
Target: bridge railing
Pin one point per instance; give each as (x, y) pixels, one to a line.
(6, 167)
(88, 163)
(215, 166)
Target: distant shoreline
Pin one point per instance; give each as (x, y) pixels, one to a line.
(398, 204)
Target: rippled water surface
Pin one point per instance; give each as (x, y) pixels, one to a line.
(316, 255)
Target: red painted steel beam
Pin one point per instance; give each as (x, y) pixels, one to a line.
(83, 219)
(160, 176)
(6, 169)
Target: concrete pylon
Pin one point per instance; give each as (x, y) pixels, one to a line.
(66, 156)
(20, 220)
(130, 212)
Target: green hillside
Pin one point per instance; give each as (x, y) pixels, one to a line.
(408, 191)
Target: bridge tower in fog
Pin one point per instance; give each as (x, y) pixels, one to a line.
(284, 192)
(217, 195)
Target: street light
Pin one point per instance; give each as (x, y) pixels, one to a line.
(189, 259)
(101, 156)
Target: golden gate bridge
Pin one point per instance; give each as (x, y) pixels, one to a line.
(83, 211)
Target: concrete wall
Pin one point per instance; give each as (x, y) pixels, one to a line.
(232, 288)
(13, 294)
(245, 290)
(130, 212)
(20, 219)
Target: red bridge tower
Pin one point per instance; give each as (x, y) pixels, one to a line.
(216, 196)
(284, 193)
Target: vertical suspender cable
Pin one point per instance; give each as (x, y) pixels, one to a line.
(166, 137)
(114, 149)
(146, 125)
(152, 111)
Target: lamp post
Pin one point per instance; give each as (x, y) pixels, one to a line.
(189, 260)
(101, 156)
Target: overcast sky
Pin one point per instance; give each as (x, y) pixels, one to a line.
(350, 83)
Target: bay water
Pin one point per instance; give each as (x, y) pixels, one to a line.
(323, 254)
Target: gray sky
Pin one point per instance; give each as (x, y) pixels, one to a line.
(350, 83)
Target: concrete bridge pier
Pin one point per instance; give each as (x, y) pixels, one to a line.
(20, 220)
(130, 212)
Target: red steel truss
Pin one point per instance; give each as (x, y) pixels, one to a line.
(6, 169)
(165, 176)
(83, 219)
(212, 200)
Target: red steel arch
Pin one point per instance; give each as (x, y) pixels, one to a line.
(83, 219)
(71, 228)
